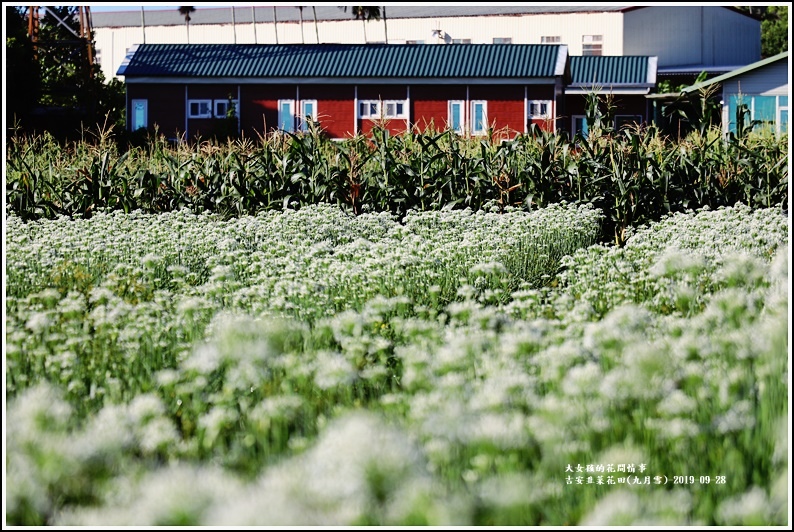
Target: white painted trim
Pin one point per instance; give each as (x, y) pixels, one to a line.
(562, 60)
(549, 110)
(484, 104)
(652, 69)
(466, 113)
(449, 124)
(127, 58)
(199, 101)
(408, 105)
(292, 114)
(302, 117)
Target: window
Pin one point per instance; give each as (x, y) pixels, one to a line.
(479, 118)
(199, 108)
(456, 118)
(579, 125)
(308, 109)
(286, 115)
(623, 121)
(770, 111)
(368, 109)
(592, 44)
(475, 123)
(222, 108)
(539, 108)
(503, 40)
(550, 39)
(375, 109)
(461, 41)
(415, 41)
(394, 109)
(139, 114)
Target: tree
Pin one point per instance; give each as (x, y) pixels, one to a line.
(774, 31)
(186, 11)
(774, 27)
(23, 94)
(56, 88)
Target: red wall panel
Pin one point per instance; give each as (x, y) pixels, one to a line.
(259, 107)
(335, 105)
(429, 105)
(165, 106)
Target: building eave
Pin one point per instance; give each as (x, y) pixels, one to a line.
(337, 81)
(613, 89)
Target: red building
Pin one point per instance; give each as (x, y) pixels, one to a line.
(346, 88)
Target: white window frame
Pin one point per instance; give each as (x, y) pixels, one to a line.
(205, 114)
(288, 120)
(415, 41)
(133, 123)
(484, 129)
(550, 39)
(225, 102)
(502, 40)
(395, 114)
(370, 114)
(461, 41)
(462, 126)
(592, 44)
(303, 124)
(537, 116)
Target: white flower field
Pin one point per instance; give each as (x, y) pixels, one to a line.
(455, 368)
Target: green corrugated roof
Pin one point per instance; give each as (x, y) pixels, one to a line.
(737, 72)
(609, 70)
(343, 61)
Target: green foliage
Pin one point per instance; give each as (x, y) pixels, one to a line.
(774, 31)
(70, 93)
(634, 175)
(21, 95)
(774, 28)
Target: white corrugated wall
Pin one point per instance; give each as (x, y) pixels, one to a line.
(112, 43)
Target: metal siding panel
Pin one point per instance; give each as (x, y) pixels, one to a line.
(770, 80)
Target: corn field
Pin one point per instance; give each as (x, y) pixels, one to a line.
(634, 175)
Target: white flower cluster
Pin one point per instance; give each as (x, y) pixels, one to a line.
(360, 371)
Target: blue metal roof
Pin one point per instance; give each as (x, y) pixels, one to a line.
(610, 70)
(342, 61)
